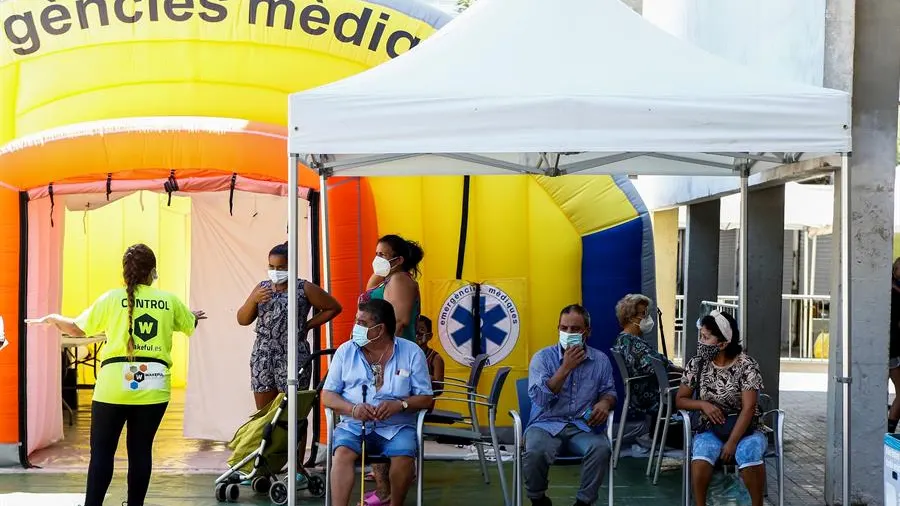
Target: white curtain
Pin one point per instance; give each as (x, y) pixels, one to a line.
(229, 257)
(44, 294)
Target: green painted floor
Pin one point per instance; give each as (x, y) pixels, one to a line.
(446, 484)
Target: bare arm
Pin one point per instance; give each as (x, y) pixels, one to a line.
(401, 293)
(417, 402)
(337, 402)
(684, 399)
(65, 325)
(556, 382)
(328, 307)
(438, 379)
(248, 312)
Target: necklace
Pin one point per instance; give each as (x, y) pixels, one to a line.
(378, 371)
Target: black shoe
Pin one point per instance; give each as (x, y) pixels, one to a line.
(543, 501)
(581, 503)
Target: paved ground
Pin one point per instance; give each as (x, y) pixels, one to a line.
(187, 480)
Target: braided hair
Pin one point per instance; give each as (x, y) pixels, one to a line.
(137, 267)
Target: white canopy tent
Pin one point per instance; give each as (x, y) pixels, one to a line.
(554, 88)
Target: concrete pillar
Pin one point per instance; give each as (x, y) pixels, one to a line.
(665, 244)
(701, 266)
(875, 43)
(765, 248)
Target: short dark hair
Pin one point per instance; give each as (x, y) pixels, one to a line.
(280, 250)
(427, 321)
(577, 309)
(734, 347)
(382, 311)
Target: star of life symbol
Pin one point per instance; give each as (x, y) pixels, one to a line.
(499, 324)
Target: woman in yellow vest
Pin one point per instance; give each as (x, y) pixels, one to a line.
(133, 385)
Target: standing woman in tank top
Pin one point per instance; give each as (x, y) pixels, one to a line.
(134, 383)
(395, 269)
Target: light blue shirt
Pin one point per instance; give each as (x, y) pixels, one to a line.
(405, 375)
(587, 384)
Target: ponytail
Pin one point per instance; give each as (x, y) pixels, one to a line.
(137, 267)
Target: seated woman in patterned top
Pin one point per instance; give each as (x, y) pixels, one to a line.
(728, 382)
(633, 313)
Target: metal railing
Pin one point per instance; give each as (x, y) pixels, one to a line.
(804, 321)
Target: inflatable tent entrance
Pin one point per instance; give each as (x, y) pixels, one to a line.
(234, 219)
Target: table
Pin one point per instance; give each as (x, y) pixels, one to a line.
(69, 346)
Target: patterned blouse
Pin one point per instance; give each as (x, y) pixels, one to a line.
(723, 386)
(637, 355)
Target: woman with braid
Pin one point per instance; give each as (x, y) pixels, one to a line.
(133, 385)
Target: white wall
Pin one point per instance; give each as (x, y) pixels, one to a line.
(784, 38)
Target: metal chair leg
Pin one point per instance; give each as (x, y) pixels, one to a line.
(483, 461)
(659, 413)
(617, 448)
(662, 441)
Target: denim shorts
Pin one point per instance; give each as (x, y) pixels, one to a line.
(403, 444)
(750, 450)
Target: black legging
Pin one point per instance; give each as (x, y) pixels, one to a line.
(107, 421)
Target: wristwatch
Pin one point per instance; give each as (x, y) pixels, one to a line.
(405, 405)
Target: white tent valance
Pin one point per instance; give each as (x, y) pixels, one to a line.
(570, 86)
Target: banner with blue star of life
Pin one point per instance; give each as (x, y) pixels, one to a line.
(499, 319)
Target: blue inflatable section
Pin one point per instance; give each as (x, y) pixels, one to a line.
(611, 268)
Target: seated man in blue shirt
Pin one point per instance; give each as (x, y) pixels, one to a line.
(393, 376)
(572, 392)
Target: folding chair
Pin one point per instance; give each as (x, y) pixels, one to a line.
(472, 435)
(623, 371)
(520, 423)
(330, 422)
(468, 389)
(453, 385)
(775, 450)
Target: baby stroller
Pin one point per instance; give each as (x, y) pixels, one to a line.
(261, 449)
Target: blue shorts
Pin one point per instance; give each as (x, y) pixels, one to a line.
(750, 450)
(403, 444)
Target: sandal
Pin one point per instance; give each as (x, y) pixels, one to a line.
(371, 499)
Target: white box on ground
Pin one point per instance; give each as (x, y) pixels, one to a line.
(891, 470)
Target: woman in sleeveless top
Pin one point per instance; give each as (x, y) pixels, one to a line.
(395, 268)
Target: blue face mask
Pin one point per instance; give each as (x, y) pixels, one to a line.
(360, 335)
(567, 339)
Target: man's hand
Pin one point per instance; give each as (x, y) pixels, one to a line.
(262, 294)
(599, 413)
(387, 409)
(713, 413)
(363, 412)
(573, 357)
(728, 450)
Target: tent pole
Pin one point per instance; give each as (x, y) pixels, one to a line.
(326, 251)
(293, 223)
(742, 259)
(845, 326)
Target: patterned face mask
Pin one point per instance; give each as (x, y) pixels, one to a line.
(707, 351)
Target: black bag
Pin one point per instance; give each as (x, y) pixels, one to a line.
(723, 431)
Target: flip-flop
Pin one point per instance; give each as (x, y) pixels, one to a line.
(371, 499)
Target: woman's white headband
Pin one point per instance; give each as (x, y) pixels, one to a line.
(722, 323)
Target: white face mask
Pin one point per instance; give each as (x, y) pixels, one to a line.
(381, 266)
(647, 324)
(567, 339)
(154, 275)
(278, 277)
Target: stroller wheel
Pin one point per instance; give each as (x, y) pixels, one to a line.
(220, 492)
(278, 493)
(316, 486)
(261, 484)
(232, 492)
